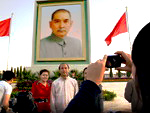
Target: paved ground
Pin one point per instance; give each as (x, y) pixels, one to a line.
(119, 103)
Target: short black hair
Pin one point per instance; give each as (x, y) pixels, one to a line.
(64, 10)
(62, 64)
(8, 75)
(44, 70)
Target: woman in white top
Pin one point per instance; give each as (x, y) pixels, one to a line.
(6, 89)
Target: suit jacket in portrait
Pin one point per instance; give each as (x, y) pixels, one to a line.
(55, 47)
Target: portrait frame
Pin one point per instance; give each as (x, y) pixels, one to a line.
(83, 35)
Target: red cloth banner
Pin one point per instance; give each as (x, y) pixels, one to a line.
(120, 27)
(5, 27)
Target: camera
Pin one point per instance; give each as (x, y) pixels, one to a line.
(113, 61)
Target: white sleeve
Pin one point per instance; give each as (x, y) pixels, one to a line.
(8, 89)
(52, 99)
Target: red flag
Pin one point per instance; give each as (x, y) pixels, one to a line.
(120, 27)
(5, 27)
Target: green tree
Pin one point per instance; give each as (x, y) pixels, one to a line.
(15, 71)
(128, 74)
(119, 73)
(111, 73)
(18, 74)
(74, 73)
(24, 70)
(80, 76)
(12, 69)
(25, 83)
(56, 75)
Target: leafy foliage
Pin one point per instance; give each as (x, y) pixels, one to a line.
(56, 75)
(128, 74)
(78, 75)
(109, 95)
(111, 73)
(14, 93)
(119, 74)
(25, 80)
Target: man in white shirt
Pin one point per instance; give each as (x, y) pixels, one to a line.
(6, 89)
(63, 90)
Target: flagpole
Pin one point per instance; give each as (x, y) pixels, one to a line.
(9, 39)
(128, 27)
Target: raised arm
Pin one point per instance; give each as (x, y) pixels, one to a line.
(85, 100)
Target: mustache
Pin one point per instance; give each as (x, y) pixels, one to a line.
(61, 29)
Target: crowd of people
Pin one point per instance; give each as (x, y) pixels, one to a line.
(63, 95)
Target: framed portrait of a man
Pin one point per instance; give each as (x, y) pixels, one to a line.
(61, 31)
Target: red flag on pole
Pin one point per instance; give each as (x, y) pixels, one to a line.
(120, 27)
(5, 27)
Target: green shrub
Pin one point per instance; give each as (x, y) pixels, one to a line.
(24, 85)
(111, 73)
(14, 94)
(24, 82)
(119, 74)
(108, 95)
(128, 74)
(56, 75)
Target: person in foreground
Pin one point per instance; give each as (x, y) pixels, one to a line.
(138, 64)
(100, 99)
(6, 90)
(141, 61)
(85, 99)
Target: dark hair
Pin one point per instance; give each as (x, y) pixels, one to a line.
(141, 48)
(63, 10)
(8, 75)
(44, 70)
(141, 60)
(84, 70)
(62, 64)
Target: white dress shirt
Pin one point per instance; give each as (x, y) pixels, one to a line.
(63, 90)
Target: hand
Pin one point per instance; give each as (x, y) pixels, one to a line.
(128, 61)
(9, 110)
(95, 71)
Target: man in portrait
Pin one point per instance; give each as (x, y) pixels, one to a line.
(58, 44)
